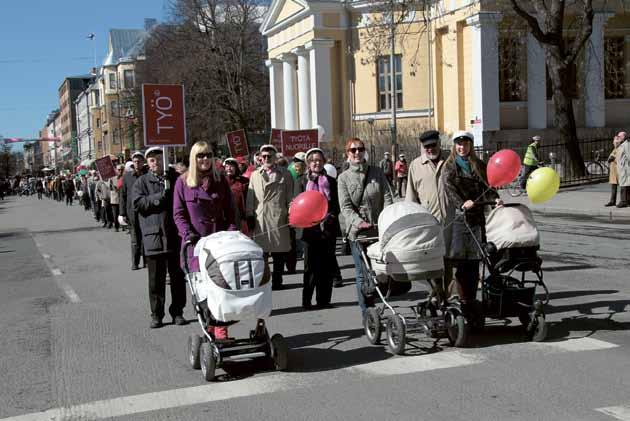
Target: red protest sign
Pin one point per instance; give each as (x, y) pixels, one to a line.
(237, 142)
(164, 115)
(276, 139)
(105, 167)
(294, 141)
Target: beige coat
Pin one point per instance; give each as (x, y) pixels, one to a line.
(422, 184)
(623, 164)
(612, 164)
(268, 199)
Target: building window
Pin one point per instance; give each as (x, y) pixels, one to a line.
(129, 79)
(97, 98)
(98, 122)
(614, 67)
(114, 108)
(384, 83)
(112, 81)
(512, 69)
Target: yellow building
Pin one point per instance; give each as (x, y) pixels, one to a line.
(459, 65)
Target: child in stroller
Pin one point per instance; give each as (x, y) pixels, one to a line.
(229, 288)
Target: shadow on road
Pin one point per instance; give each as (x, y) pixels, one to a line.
(71, 230)
(558, 295)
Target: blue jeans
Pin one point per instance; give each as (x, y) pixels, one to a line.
(358, 261)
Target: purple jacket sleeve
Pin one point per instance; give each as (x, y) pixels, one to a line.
(180, 211)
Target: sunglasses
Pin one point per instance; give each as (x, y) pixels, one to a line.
(266, 156)
(355, 150)
(204, 155)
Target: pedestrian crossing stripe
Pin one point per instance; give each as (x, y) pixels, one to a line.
(281, 382)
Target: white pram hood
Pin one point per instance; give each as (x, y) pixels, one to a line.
(231, 271)
(411, 245)
(511, 227)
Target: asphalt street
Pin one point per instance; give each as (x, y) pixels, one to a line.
(75, 342)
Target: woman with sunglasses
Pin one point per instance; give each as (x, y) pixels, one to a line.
(462, 184)
(202, 205)
(363, 193)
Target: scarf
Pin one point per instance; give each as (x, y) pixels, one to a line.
(318, 182)
(463, 164)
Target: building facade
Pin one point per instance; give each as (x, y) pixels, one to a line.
(69, 90)
(84, 125)
(458, 65)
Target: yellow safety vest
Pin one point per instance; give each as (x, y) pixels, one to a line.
(531, 156)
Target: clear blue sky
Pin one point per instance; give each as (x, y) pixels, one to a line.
(43, 41)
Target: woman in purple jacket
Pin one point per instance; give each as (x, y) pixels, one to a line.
(202, 205)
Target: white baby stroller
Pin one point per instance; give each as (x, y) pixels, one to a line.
(228, 288)
(410, 248)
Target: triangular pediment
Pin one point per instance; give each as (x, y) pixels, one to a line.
(281, 11)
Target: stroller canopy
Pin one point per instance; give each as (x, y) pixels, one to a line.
(511, 227)
(410, 242)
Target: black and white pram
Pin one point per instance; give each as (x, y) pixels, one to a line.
(410, 248)
(512, 246)
(231, 286)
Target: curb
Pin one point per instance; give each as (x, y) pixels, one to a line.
(610, 215)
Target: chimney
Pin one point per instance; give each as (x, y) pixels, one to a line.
(149, 23)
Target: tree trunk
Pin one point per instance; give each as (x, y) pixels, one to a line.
(564, 115)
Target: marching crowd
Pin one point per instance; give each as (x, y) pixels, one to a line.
(163, 208)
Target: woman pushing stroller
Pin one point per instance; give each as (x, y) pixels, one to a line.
(463, 182)
(202, 205)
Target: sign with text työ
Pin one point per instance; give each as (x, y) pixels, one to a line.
(294, 141)
(276, 139)
(164, 115)
(237, 142)
(105, 167)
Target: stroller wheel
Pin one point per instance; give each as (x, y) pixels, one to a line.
(457, 328)
(194, 343)
(396, 334)
(208, 361)
(279, 352)
(372, 325)
(537, 328)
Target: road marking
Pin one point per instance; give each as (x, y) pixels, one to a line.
(619, 412)
(577, 345)
(418, 363)
(65, 287)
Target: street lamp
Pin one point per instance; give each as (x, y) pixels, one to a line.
(371, 123)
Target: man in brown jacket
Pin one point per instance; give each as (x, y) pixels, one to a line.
(422, 188)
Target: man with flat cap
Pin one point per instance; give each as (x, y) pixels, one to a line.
(153, 200)
(422, 186)
(127, 213)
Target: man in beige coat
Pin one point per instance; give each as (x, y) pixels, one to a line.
(269, 195)
(422, 188)
(623, 169)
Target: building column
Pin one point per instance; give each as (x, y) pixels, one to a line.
(485, 73)
(536, 84)
(304, 88)
(321, 85)
(275, 93)
(594, 94)
(290, 94)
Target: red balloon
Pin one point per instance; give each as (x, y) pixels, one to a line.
(503, 168)
(308, 209)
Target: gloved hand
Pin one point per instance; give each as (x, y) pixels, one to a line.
(232, 227)
(193, 237)
(251, 223)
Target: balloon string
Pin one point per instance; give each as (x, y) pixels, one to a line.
(271, 230)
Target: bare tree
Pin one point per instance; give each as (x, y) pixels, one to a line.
(215, 49)
(547, 23)
(8, 160)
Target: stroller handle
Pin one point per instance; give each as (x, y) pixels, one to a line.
(184, 256)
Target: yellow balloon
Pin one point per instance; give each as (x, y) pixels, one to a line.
(542, 185)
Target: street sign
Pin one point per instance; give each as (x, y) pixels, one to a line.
(237, 142)
(105, 167)
(276, 139)
(164, 115)
(294, 141)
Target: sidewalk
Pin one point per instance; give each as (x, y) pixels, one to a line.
(577, 201)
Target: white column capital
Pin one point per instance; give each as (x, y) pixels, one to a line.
(288, 58)
(300, 51)
(319, 43)
(272, 62)
(484, 18)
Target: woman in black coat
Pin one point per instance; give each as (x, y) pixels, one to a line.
(463, 182)
(320, 240)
